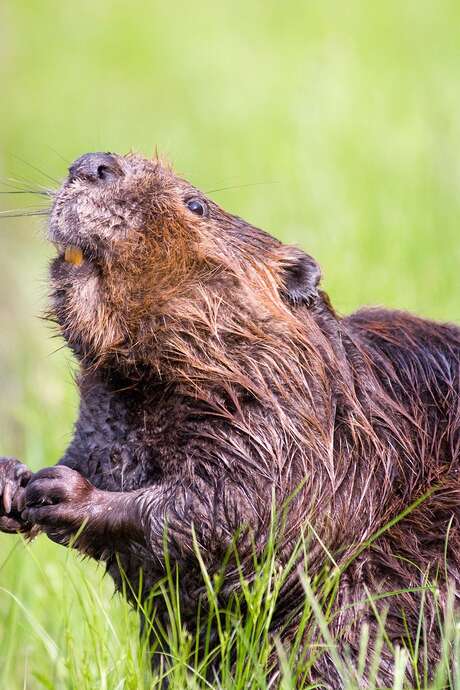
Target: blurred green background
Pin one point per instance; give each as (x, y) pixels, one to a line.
(333, 125)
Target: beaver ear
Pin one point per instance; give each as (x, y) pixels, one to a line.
(300, 276)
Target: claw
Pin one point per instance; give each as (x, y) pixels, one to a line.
(20, 500)
(23, 474)
(7, 496)
(10, 525)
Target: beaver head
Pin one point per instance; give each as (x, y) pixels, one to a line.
(143, 256)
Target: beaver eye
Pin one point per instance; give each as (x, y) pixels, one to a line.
(196, 206)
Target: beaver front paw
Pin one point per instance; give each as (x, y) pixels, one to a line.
(59, 501)
(14, 477)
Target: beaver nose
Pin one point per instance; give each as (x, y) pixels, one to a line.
(95, 167)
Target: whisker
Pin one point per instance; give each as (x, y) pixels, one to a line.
(13, 184)
(21, 184)
(27, 191)
(58, 154)
(33, 167)
(20, 214)
(240, 186)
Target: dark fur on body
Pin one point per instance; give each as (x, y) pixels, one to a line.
(214, 374)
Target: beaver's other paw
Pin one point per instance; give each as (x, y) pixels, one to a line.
(14, 476)
(59, 501)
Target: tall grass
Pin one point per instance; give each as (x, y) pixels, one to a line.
(96, 642)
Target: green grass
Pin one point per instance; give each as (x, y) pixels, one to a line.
(331, 124)
(72, 635)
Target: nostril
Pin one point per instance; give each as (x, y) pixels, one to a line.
(95, 167)
(104, 172)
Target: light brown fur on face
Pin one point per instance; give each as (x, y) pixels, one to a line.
(147, 258)
(124, 231)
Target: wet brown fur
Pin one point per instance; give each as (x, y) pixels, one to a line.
(250, 384)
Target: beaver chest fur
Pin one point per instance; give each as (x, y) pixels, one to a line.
(215, 376)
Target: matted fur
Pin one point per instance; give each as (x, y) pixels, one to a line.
(214, 374)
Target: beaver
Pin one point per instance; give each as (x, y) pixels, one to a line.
(215, 377)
